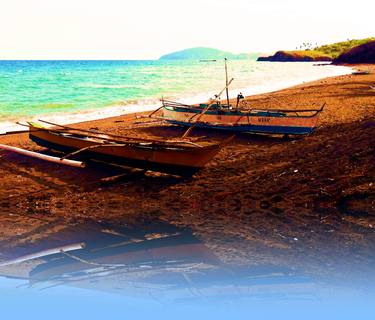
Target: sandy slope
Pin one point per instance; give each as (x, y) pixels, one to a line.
(309, 203)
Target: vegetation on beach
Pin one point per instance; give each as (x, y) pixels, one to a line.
(329, 50)
(364, 53)
(335, 49)
(319, 53)
(307, 55)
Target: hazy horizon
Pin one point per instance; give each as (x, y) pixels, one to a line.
(114, 29)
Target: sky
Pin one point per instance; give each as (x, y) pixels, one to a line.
(147, 29)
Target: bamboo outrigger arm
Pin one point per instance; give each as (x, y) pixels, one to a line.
(90, 148)
(72, 163)
(13, 132)
(153, 112)
(188, 131)
(112, 137)
(111, 145)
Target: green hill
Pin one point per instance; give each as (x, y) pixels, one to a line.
(335, 49)
(321, 53)
(364, 53)
(203, 53)
(302, 56)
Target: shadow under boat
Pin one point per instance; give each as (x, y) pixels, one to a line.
(156, 260)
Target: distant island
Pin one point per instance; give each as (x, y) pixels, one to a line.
(328, 52)
(203, 53)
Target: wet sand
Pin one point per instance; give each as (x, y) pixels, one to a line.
(307, 203)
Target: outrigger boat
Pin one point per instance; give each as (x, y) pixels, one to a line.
(224, 117)
(176, 157)
(183, 158)
(217, 115)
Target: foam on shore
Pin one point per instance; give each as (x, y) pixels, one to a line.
(152, 104)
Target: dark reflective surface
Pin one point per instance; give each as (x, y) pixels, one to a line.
(156, 265)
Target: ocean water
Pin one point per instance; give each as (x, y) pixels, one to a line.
(68, 91)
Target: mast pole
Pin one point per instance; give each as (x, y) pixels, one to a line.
(226, 81)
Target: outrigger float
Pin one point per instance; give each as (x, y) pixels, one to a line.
(221, 116)
(178, 157)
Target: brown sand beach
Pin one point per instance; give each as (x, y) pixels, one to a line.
(307, 202)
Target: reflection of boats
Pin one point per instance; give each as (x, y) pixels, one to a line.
(160, 260)
(176, 157)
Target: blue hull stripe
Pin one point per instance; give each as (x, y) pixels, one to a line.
(251, 128)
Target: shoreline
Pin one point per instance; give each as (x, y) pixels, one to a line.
(146, 105)
(260, 193)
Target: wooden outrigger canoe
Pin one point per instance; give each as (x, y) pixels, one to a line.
(182, 158)
(215, 115)
(270, 121)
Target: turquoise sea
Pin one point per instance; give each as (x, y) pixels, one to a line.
(70, 91)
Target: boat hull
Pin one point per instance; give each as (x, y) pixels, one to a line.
(168, 159)
(262, 122)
